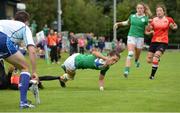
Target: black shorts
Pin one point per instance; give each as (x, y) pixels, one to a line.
(156, 46)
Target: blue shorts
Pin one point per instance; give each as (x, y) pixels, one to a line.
(7, 47)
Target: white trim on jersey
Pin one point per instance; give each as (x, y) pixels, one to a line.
(69, 63)
(17, 31)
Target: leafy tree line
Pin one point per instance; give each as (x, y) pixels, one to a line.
(95, 15)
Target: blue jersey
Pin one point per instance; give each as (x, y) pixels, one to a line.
(13, 33)
(17, 31)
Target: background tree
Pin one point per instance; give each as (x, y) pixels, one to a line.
(96, 15)
(43, 11)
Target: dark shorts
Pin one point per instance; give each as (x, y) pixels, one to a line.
(158, 47)
(7, 47)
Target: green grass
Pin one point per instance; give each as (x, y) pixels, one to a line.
(137, 93)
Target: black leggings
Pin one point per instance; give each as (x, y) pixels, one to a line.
(47, 78)
(53, 54)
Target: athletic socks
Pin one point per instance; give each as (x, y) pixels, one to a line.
(126, 72)
(155, 65)
(23, 86)
(153, 72)
(137, 63)
(136, 60)
(126, 69)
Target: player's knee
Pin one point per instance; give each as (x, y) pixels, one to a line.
(156, 58)
(130, 54)
(149, 60)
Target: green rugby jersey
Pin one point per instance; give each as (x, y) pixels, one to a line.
(137, 25)
(86, 61)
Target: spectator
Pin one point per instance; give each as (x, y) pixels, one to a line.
(46, 30)
(81, 43)
(101, 44)
(89, 42)
(73, 44)
(34, 28)
(52, 44)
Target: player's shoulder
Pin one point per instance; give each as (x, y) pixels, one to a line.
(11, 22)
(146, 17)
(132, 15)
(169, 18)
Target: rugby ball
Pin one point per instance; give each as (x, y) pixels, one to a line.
(99, 63)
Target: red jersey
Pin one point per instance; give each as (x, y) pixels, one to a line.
(161, 27)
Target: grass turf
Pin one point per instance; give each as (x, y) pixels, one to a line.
(137, 93)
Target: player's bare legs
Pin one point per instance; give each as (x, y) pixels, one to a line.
(137, 55)
(155, 63)
(128, 59)
(19, 61)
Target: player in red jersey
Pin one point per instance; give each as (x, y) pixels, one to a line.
(159, 27)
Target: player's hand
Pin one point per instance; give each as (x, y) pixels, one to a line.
(151, 32)
(173, 26)
(35, 76)
(115, 26)
(150, 20)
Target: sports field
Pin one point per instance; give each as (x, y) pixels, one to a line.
(137, 93)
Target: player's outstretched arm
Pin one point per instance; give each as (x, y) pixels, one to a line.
(99, 55)
(123, 23)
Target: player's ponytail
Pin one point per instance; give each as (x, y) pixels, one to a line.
(147, 10)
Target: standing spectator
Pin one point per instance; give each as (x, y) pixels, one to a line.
(46, 30)
(81, 43)
(138, 22)
(95, 42)
(73, 44)
(159, 27)
(101, 44)
(52, 43)
(89, 45)
(34, 28)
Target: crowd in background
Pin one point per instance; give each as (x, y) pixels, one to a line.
(72, 43)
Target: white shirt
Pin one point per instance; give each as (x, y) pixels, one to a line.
(17, 31)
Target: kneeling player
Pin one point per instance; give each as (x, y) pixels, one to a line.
(81, 61)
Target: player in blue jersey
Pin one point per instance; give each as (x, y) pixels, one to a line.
(14, 32)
